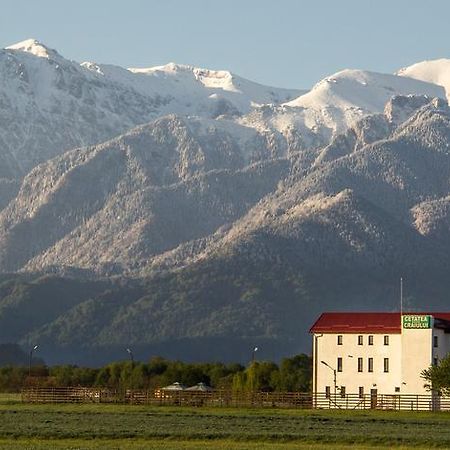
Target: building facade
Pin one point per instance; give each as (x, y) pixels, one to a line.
(370, 353)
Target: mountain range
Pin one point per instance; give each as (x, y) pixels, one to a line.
(192, 213)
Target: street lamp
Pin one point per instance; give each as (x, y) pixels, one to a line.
(255, 349)
(334, 375)
(31, 358)
(129, 351)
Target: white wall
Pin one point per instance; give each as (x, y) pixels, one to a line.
(329, 351)
(416, 356)
(409, 354)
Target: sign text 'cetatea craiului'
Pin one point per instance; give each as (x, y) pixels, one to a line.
(416, 321)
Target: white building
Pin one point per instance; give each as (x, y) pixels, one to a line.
(370, 353)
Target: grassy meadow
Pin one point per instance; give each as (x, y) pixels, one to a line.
(95, 426)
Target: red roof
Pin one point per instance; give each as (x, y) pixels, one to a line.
(366, 322)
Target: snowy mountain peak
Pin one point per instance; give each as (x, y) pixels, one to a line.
(436, 71)
(218, 82)
(49, 104)
(169, 68)
(363, 89)
(339, 100)
(34, 47)
(216, 79)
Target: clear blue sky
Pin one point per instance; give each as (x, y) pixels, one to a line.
(291, 43)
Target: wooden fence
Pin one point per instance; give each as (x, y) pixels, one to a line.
(226, 398)
(161, 397)
(396, 402)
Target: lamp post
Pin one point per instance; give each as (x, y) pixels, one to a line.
(255, 349)
(31, 359)
(130, 352)
(334, 376)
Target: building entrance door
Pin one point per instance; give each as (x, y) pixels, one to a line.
(373, 398)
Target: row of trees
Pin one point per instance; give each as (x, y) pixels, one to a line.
(293, 374)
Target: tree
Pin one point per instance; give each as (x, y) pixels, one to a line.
(221, 375)
(63, 375)
(295, 374)
(258, 376)
(438, 377)
(12, 378)
(239, 382)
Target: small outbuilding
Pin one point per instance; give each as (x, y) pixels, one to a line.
(174, 387)
(200, 387)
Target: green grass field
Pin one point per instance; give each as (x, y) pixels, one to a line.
(24, 426)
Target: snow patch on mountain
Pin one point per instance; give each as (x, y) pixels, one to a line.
(34, 47)
(337, 101)
(49, 105)
(435, 71)
(335, 104)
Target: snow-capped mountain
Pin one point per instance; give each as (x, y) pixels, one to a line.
(215, 202)
(337, 102)
(434, 71)
(208, 246)
(169, 183)
(49, 104)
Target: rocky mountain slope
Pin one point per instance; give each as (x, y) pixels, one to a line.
(181, 208)
(49, 104)
(229, 250)
(336, 103)
(161, 185)
(371, 203)
(177, 181)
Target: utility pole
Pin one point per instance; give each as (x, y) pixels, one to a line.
(401, 298)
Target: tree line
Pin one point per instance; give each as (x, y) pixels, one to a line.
(292, 374)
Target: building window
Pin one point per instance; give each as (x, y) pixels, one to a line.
(360, 340)
(339, 364)
(397, 389)
(361, 392)
(339, 339)
(435, 361)
(386, 340)
(342, 391)
(327, 392)
(370, 340)
(370, 364)
(386, 364)
(435, 341)
(360, 364)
